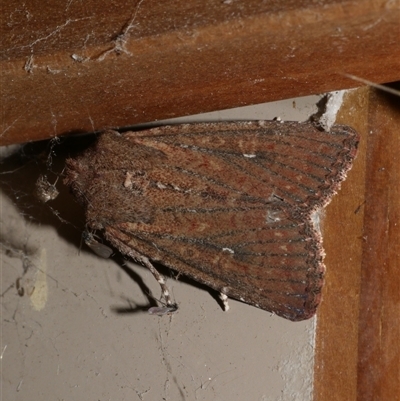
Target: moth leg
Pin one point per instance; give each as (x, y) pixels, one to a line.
(224, 298)
(160, 279)
(132, 253)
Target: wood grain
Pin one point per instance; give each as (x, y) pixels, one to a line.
(89, 66)
(357, 348)
(379, 321)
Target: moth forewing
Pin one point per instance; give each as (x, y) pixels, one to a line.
(228, 204)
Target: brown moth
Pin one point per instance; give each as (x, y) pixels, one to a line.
(228, 204)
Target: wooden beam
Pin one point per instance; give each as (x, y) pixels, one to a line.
(357, 348)
(85, 66)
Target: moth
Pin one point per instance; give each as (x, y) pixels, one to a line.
(162, 310)
(231, 205)
(98, 248)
